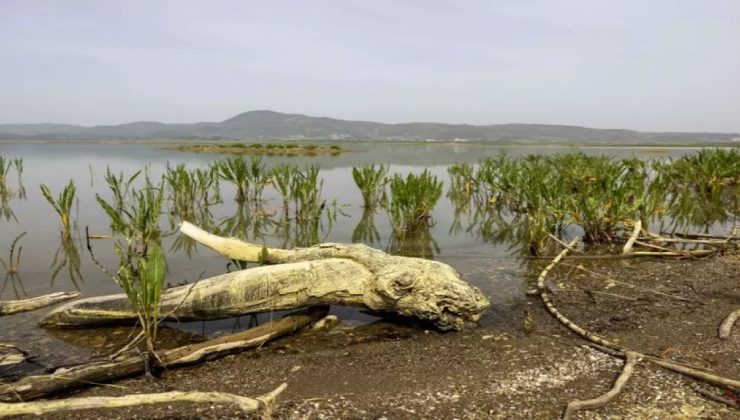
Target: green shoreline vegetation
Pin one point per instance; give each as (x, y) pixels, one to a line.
(260, 149)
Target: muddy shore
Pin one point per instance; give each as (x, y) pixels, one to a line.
(402, 371)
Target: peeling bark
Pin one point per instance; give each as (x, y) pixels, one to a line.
(325, 274)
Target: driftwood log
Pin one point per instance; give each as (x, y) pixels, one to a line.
(247, 405)
(9, 307)
(325, 274)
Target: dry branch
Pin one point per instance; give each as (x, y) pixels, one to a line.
(629, 365)
(8, 307)
(672, 366)
(95, 373)
(247, 405)
(325, 274)
(725, 328)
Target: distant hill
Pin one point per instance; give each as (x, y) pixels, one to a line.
(269, 125)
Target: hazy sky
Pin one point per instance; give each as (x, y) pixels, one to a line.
(641, 64)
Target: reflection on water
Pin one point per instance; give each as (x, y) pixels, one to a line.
(477, 235)
(67, 256)
(12, 269)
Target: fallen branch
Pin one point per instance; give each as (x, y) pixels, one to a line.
(629, 365)
(8, 307)
(725, 328)
(247, 405)
(95, 373)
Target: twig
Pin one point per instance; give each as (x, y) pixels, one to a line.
(714, 397)
(556, 239)
(629, 366)
(247, 405)
(644, 289)
(725, 328)
(631, 241)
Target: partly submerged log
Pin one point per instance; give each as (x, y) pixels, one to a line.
(8, 307)
(95, 373)
(325, 274)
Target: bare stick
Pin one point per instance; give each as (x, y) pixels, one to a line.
(9, 307)
(629, 367)
(247, 405)
(631, 241)
(725, 328)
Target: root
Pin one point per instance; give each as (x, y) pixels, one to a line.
(629, 366)
(725, 328)
(247, 405)
(612, 347)
(9, 307)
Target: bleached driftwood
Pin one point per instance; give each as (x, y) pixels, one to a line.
(725, 328)
(9, 307)
(325, 274)
(95, 373)
(247, 405)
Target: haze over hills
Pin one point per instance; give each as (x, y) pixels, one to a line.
(270, 125)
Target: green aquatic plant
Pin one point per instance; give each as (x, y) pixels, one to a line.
(371, 180)
(142, 263)
(138, 216)
(120, 186)
(249, 177)
(62, 204)
(141, 275)
(412, 200)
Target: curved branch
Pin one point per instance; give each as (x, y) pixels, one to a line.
(629, 366)
(725, 328)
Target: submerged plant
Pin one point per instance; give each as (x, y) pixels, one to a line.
(412, 200)
(62, 204)
(371, 181)
(12, 268)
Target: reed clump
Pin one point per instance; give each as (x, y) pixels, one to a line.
(62, 204)
(142, 264)
(371, 180)
(412, 199)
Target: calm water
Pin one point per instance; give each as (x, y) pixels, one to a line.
(492, 268)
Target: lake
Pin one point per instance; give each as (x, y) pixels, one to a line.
(45, 264)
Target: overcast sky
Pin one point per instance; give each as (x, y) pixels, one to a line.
(646, 65)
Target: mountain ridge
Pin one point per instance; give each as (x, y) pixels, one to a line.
(272, 125)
